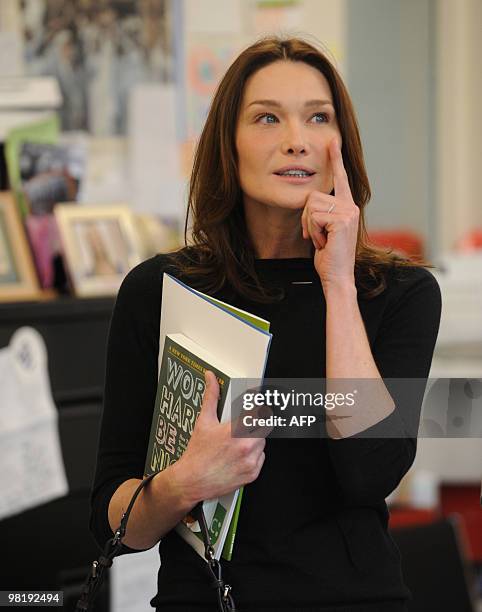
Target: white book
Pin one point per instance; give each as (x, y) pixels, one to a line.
(239, 339)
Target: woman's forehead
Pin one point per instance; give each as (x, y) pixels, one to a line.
(285, 80)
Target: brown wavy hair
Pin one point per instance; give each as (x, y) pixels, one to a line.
(221, 252)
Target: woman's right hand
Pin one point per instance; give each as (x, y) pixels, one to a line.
(214, 462)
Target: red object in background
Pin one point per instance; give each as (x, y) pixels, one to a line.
(459, 499)
(406, 241)
(464, 500)
(470, 242)
(408, 517)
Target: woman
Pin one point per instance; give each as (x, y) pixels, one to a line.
(312, 532)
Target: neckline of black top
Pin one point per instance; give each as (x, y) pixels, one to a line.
(291, 271)
(291, 262)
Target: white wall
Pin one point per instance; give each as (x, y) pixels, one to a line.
(389, 78)
(458, 118)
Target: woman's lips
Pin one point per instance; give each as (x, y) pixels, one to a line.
(296, 180)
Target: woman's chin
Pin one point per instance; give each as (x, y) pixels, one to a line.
(290, 204)
(281, 201)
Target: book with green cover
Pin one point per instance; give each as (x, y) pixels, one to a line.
(178, 403)
(240, 340)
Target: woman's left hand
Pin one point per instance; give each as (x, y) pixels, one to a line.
(334, 234)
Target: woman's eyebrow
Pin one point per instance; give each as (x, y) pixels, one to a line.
(277, 104)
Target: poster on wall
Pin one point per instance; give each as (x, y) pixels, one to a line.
(206, 64)
(98, 51)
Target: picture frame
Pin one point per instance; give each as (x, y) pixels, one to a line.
(100, 245)
(18, 278)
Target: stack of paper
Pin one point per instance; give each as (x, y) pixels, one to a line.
(30, 455)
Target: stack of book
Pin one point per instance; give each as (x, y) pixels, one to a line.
(200, 333)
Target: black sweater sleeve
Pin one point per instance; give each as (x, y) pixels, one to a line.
(130, 389)
(370, 467)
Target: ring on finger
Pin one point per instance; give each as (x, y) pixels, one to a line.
(331, 208)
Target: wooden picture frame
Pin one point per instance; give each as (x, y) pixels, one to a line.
(100, 245)
(18, 279)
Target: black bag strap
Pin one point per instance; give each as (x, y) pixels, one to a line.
(225, 599)
(113, 547)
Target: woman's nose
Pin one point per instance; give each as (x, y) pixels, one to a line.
(293, 141)
(295, 148)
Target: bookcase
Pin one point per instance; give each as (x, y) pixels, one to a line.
(49, 547)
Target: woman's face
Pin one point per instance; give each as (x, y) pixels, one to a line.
(291, 128)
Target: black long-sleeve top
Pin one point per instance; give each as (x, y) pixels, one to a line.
(312, 531)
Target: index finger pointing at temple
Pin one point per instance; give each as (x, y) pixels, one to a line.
(340, 177)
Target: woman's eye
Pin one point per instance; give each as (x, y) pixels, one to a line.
(268, 115)
(263, 116)
(324, 115)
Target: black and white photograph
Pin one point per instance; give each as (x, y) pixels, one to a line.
(98, 51)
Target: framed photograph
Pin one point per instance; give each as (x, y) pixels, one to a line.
(50, 173)
(18, 280)
(158, 234)
(100, 245)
